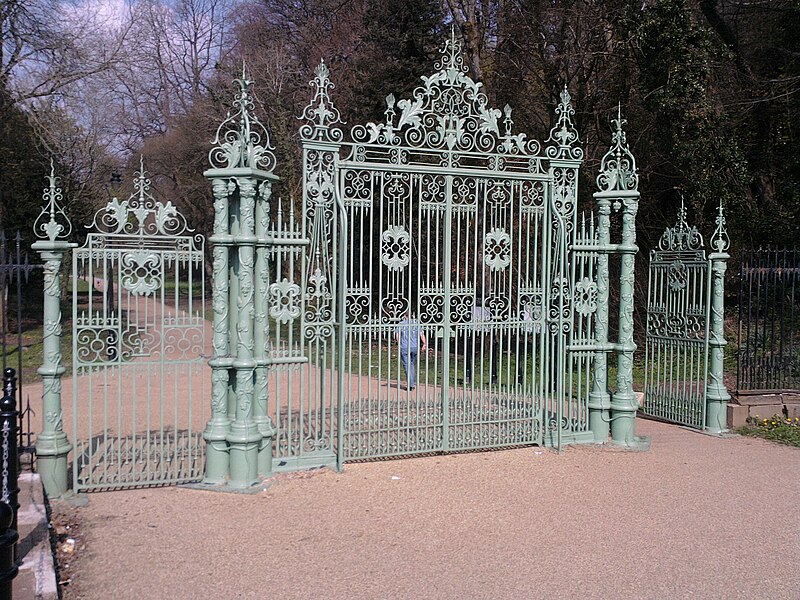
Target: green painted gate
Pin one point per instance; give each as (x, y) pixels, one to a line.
(442, 225)
(138, 346)
(433, 291)
(683, 326)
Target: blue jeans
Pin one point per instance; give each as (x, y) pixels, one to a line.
(408, 357)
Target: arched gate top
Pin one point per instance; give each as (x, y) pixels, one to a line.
(447, 121)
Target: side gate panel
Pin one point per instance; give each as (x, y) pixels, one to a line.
(676, 354)
(139, 347)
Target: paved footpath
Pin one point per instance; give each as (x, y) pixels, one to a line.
(695, 517)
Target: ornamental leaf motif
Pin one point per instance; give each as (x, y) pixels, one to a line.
(449, 112)
(497, 249)
(395, 244)
(140, 272)
(284, 298)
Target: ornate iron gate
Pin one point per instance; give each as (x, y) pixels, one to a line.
(434, 293)
(439, 303)
(685, 338)
(139, 371)
(676, 354)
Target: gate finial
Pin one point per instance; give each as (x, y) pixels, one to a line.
(52, 222)
(618, 166)
(563, 135)
(681, 236)
(320, 112)
(242, 141)
(720, 241)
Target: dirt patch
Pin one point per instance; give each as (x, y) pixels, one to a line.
(696, 516)
(70, 548)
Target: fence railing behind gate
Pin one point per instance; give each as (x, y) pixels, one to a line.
(15, 271)
(769, 311)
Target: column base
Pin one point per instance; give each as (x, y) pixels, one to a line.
(639, 443)
(243, 443)
(267, 431)
(217, 452)
(599, 422)
(623, 420)
(716, 417)
(52, 452)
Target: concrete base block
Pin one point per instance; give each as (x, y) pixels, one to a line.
(737, 415)
(792, 410)
(37, 577)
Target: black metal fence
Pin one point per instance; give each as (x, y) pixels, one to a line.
(769, 320)
(15, 271)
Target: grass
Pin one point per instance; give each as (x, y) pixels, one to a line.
(777, 428)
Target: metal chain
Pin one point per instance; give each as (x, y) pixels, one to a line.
(6, 432)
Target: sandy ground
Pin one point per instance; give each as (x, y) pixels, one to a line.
(695, 517)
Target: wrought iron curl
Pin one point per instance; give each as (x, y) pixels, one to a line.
(449, 112)
(720, 241)
(618, 165)
(564, 135)
(52, 223)
(681, 236)
(242, 141)
(141, 214)
(321, 114)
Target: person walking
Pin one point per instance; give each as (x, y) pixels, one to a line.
(409, 335)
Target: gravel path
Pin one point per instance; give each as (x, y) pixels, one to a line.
(696, 517)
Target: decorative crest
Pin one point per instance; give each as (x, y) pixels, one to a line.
(52, 223)
(618, 166)
(241, 140)
(719, 239)
(681, 236)
(448, 113)
(141, 214)
(564, 135)
(320, 113)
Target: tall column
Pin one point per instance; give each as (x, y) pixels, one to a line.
(716, 393)
(618, 182)
(239, 434)
(244, 437)
(599, 398)
(216, 432)
(623, 402)
(261, 334)
(52, 444)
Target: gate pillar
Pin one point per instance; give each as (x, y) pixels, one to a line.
(716, 393)
(618, 183)
(599, 398)
(239, 441)
(52, 445)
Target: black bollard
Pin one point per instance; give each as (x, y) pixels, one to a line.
(8, 541)
(9, 487)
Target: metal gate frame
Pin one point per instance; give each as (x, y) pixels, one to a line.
(139, 370)
(445, 138)
(280, 283)
(685, 316)
(287, 310)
